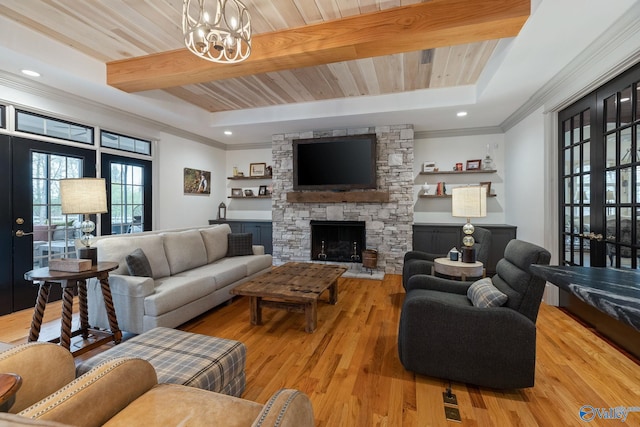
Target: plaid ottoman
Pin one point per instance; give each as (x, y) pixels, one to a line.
(184, 358)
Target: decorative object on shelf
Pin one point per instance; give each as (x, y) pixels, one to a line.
(222, 211)
(486, 184)
(84, 196)
(236, 192)
(248, 193)
(217, 30)
(262, 191)
(235, 171)
(458, 167)
(196, 181)
(428, 166)
(473, 165)
(469, 202)
(257, 169)
(425, 188)
(487, 163)
(240, 174)
(441, 189)
(269, 171)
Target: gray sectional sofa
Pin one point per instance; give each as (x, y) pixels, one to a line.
(191, 272)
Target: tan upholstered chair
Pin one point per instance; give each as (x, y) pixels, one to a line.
(125, 392)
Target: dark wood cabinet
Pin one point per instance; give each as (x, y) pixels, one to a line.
(440, 238)
(261, 230)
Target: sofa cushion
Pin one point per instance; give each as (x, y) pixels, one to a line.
(240, 244)
(223, 272)
(215, 241)
(185, 250)
(177, 291)
(138, 264)
(116, 248)
(483, 294)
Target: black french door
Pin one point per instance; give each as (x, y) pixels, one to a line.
(129, 196)
(600, 171)
(31, 222)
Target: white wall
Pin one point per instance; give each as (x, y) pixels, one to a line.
(446, 152)
(525, 189)
(173, 208)
(249, 208)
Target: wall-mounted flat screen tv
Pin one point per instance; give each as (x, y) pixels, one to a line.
(335, 163)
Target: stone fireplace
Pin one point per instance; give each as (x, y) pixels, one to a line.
(388, 224)
(341, 241)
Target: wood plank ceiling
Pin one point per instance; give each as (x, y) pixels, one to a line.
(117, 30)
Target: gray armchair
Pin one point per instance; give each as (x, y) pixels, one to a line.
(418, 262)
(442, 334)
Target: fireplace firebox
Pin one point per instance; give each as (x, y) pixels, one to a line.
(341, 241)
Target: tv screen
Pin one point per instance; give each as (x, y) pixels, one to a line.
(335, 163)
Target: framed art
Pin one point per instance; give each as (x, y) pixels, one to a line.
(236, 192)
(257, 169)
(428, 166)
(197, 181)
(486, 184)
(262, 191)
(473, 165)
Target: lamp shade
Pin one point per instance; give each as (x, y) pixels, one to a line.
(83, 196)
(469, 202)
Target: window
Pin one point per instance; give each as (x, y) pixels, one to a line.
(2, 119)
(125, 143)
(54, 128)
(53, 232)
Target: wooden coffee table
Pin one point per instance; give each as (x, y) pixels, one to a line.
(294, 287)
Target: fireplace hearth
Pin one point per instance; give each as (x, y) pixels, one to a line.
(341, 241)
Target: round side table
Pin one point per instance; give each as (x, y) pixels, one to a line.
(458, 269)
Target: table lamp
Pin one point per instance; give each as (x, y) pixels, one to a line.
(84, 196)
(469, 202)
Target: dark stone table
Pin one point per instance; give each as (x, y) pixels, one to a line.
(613, 291)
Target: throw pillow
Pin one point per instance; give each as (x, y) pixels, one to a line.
(138, 264)
(483, 294)
(240, 244)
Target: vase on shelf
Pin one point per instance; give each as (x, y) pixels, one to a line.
(487, 163)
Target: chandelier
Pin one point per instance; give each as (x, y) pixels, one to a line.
(217, 30)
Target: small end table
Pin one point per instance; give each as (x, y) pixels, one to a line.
(458, 268)
(9, 386)
(69, 281)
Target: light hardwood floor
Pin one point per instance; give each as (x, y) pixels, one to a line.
(350, 368)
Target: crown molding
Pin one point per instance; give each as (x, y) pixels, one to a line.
(569, 84)
(41, 90)
(488, 130)
(249, 146)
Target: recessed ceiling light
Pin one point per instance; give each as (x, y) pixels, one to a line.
(461, 113)
(31, 73)
(228, 132)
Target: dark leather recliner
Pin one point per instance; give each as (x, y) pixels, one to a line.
(418, 262)
(442, 334)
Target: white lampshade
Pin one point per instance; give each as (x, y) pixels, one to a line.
(83, 196)
(469, 202)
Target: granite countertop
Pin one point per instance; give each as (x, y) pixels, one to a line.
(613, 291)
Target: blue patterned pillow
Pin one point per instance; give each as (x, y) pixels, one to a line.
(138, 264)
(483, 294)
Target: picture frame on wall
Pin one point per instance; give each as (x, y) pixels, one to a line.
(236, 192)
(473, 165)
(262, 190)
(197, 181)
(257, 169)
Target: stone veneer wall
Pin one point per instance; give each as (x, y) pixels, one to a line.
(388, 225)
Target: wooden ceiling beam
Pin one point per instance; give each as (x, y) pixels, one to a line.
(429, 25)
